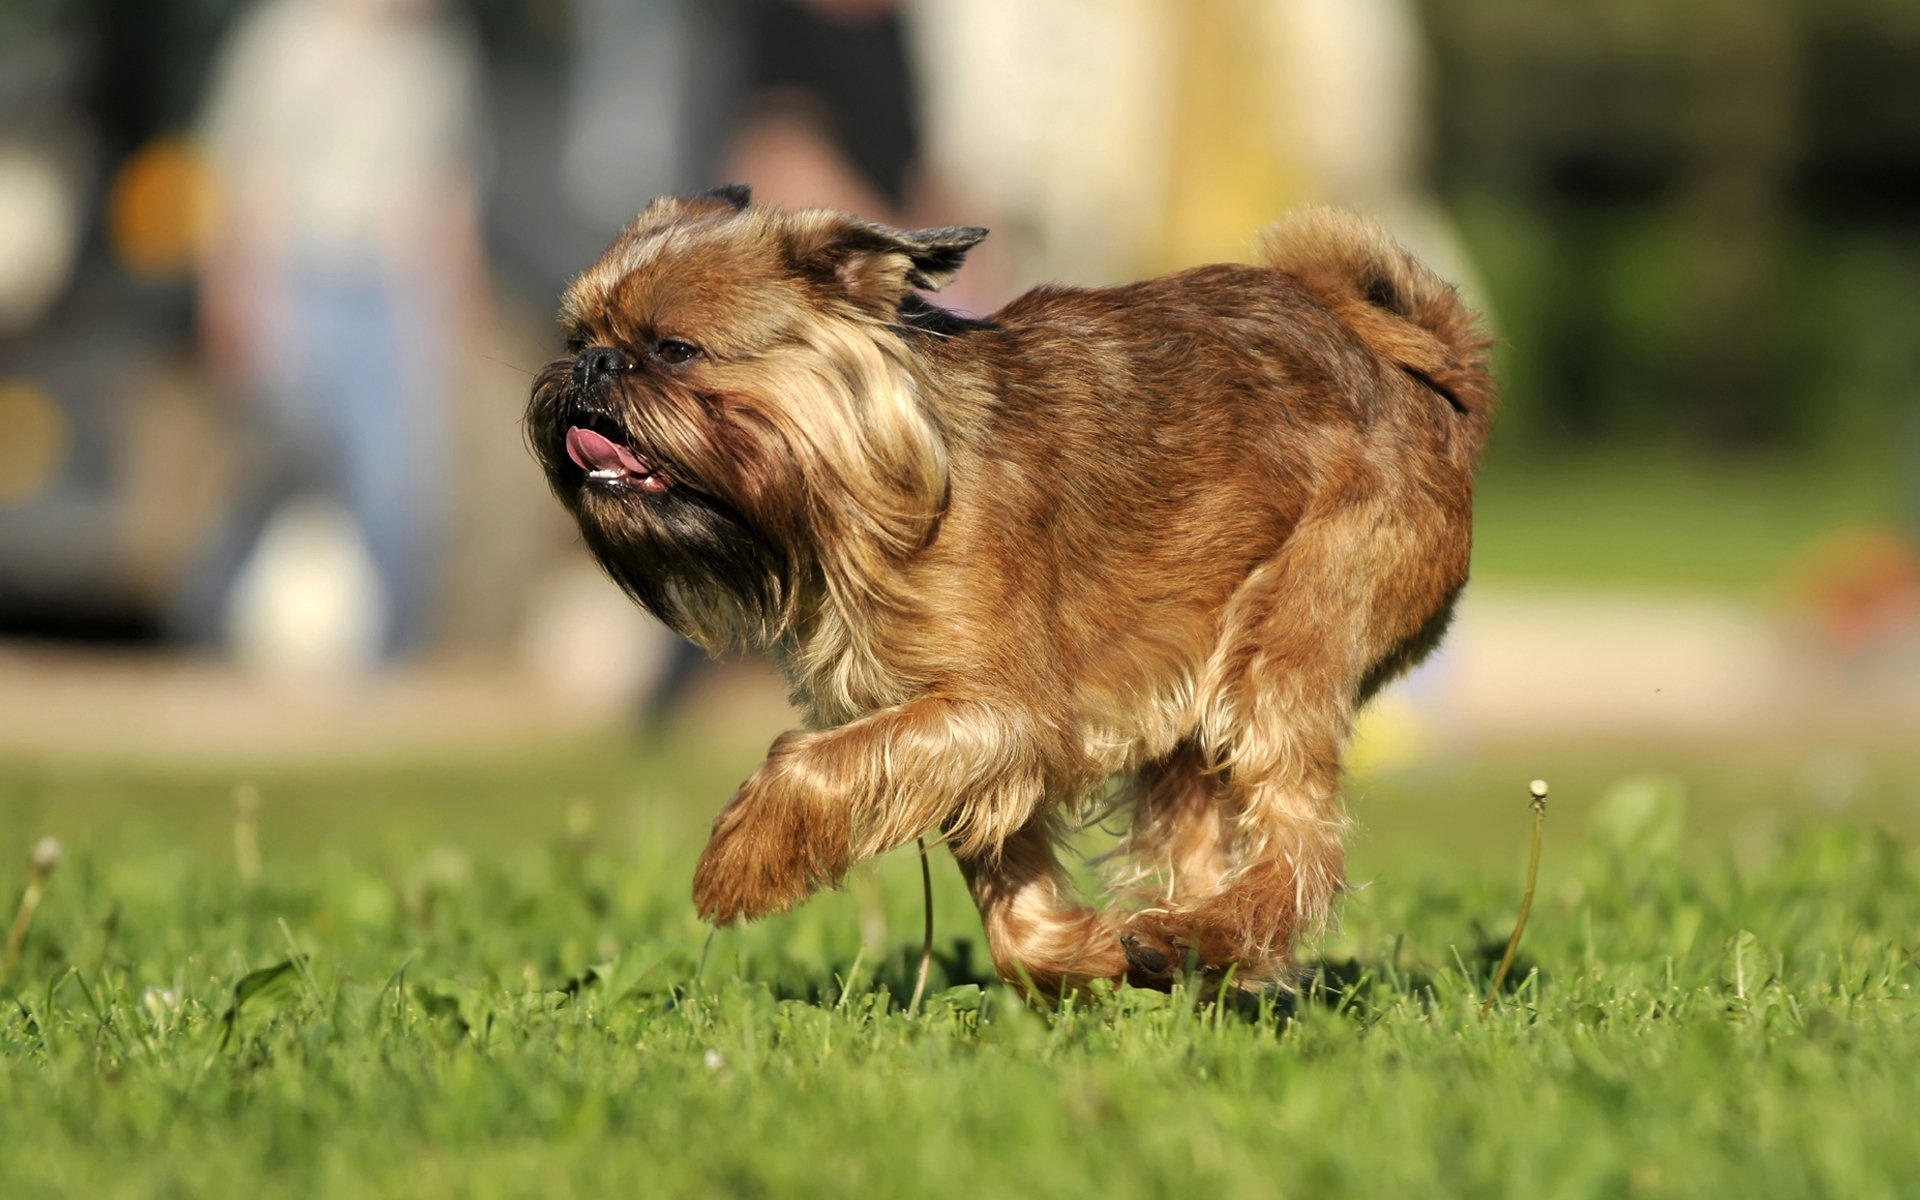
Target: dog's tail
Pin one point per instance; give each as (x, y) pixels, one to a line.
(1401, 310)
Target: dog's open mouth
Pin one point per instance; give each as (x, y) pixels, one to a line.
(609, 462)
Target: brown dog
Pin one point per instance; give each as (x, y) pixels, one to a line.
(1175, 531)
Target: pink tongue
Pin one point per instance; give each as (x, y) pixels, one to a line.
(591, 452)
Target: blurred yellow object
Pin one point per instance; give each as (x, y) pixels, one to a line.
(1234, 159)
(1390, 735)
(159, 208)
(34, 440)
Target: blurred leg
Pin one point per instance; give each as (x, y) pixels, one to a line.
(394, 467)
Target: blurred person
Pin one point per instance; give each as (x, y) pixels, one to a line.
(1178, 125)
(673, 61)
(343, 266)
(828, 116)
(825, 117)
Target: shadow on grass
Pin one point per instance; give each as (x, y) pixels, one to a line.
(1354, 987)
(956, 965)
(1360, 988)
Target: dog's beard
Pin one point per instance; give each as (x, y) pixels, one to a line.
(681, 547)
(789, 486)
(695, 564)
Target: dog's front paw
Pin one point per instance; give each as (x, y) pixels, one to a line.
(771, 848)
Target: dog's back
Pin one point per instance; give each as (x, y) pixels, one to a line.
(1155, 442)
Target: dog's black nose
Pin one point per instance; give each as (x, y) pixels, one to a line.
(596, 363)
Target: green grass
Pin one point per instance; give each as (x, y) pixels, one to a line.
(499, 990)
(1654, 518)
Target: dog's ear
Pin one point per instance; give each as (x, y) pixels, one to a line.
(876, 265)
(936, 254)
(734, 196)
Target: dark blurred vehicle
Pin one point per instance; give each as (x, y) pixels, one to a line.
(112, 457)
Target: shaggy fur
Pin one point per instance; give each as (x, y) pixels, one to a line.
(1175, 531)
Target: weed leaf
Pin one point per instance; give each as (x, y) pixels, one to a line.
(269, 987)
(1741, 970)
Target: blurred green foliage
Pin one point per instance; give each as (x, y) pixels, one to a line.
(1698, 223)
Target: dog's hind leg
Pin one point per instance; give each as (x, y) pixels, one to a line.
(1359, 591)
(1042, 936)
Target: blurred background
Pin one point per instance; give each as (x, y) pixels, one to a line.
(274, 277)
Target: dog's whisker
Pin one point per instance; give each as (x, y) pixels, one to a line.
(515, 367)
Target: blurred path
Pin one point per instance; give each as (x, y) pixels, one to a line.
(1518, 665)
(1537, 663)
(64, 702)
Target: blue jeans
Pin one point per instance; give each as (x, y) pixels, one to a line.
(351, 408)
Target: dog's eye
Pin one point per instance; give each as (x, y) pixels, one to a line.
(675, 351)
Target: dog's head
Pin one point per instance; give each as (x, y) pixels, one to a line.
(737, 407)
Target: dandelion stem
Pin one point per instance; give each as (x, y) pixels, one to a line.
(40, 865)
(1537, 791)
(926, 939)
(700, 970)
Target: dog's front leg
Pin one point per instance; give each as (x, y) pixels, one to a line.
(824, 801)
